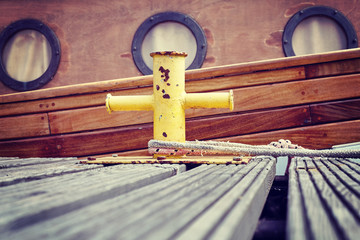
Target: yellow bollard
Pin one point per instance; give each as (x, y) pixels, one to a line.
(169, 99)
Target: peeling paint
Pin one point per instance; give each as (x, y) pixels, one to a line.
(165, 73)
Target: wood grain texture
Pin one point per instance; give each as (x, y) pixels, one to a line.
(80, 144)
(292, 93)
(98, 118)
(130, 88)
(231, 81)
(95, 118)
(62, 103)
(332, 68)
(325, 204)
(24, 126)
(56, 194)
(163, 209)
(136, 137)
(335, 111)
(238, 222)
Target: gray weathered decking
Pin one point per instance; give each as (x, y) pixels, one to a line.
(60, 199)
(324, 199)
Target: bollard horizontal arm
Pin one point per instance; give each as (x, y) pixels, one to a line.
(129, 103)
(210, 100)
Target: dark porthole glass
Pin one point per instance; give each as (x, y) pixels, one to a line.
(318, 29)
(29, 55)
(169, 31)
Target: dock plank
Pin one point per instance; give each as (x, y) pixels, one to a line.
(162, 210)
(323, 200)
(52, 195)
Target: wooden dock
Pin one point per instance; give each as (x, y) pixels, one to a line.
(324, 199)
(59, 198)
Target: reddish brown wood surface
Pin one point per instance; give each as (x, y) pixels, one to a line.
(270, 103)
(335, 111)
(24, 126)
(135, 137)
(293, 93)
(332, 68)
(313, 137)
(132, 138)
(239, 124)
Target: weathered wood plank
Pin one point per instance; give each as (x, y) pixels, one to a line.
(237, 221)
(165, 209)
(346, 221)
(41, 170)
(339, 180)
(24, 126)
(333, 68)
(19, 162)
(335, 111)
(324, 206)
(295, 208)
(30, 202)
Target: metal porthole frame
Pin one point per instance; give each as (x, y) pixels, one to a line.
(152, 21)
(338, 17)
(30, 24)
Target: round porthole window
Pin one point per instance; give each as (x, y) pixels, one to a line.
(318, 29)
(169, 31)
(29, 55)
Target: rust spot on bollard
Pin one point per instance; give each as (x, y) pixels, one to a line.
(165, 73)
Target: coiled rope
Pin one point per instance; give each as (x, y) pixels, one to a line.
(275, 149)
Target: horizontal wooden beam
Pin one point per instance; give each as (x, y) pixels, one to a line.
(348, 66)
(24, 126)
(335, 111)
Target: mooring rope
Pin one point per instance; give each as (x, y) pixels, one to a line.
(276, 149)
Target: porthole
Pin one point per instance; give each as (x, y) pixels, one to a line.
(29, 55)
(318, 29)
(169, 31)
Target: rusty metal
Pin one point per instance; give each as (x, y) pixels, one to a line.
(169, 99)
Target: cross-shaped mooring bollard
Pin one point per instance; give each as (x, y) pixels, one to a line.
(169, 99)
